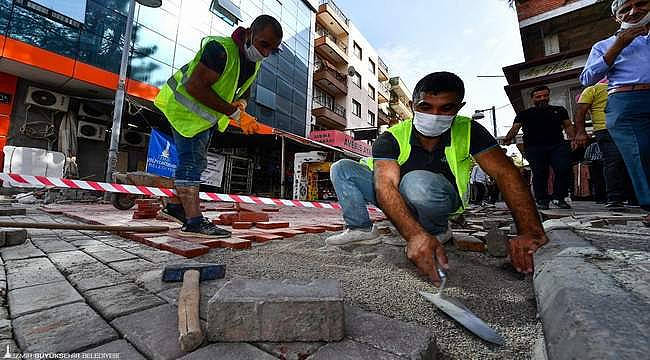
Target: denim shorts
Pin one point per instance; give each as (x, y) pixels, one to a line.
(192, 157)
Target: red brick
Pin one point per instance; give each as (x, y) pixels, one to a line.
(228, 218)
(287, 233)
(185, 248)
(211, 243)
(157, 241)
(253, 216)
(144, 216)
(217, 221)
(235, 243)
(242, 225)
(333, 227)
(272, 224)
(260, 237)
(469, 243)
(145, 202)
(313, 229)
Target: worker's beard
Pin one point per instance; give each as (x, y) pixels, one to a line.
(541, 104)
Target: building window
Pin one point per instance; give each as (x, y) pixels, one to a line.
(551, 44)
(227, 11)
(356, 108)
(371, 66)
(356, 79)
(371, 91)
(357, 51)
(371, 118)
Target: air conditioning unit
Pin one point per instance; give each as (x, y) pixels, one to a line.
(133, 138)
(47, 99)
(93, 111)
(92, 131)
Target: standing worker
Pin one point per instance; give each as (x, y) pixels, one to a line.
(618, 187)
(478, 179)
(623, 58)
(544, 145)
(207, 93)
(419, 176)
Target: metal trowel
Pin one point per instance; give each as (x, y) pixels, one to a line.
(461, 314)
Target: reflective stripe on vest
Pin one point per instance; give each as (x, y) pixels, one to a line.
(186, 114)
(457, 153)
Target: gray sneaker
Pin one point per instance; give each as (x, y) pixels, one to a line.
(355, 237)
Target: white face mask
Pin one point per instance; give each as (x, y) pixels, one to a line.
(644, 21)
(432, 125)
(252, 54)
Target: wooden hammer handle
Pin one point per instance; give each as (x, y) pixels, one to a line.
(189, 324)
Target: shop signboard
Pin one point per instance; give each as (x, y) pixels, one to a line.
(341, 140)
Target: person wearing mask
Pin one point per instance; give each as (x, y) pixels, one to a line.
(623, 58)
(618, 187)
(206, 94)
(544, 146)
(419, 177)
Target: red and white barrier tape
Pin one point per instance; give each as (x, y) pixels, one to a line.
(44, 181)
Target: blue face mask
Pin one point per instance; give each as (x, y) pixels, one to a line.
(432, 125)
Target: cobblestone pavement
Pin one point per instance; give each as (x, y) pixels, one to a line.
(72, 291)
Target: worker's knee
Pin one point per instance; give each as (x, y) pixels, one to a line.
(428, 191)
(343, 169)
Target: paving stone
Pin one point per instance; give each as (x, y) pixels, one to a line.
(468, 243)
(10, 211)
(228, 351)
(30, 272)
(53, 245)
(260, 237)
(497, 241)
(69, 260)
(86, 242)
(287, 233)
(154, 255)
(272, 224)
(154, 332)
(292, 350)
(3, 287)
(410, 341)
(242, 225)
(63, 329)
(120, 300)
(41, 297)
(121, 347)
(351, 350)
(4, 313)
(13, 237)
(19, 252)
(235, 243)
(276, 310)
(95, 276)
(312, 229)
(5, 330)
(152, 281)
(9, 345)
(112, 255)
(185, 248)
(157, 241)
(137, 265)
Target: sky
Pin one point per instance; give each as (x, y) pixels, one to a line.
(466, 37)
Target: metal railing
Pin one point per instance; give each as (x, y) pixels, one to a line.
(383, 65)
(323, 66)
(385, 86)
(336, 9)
(335, 40)
(322, 102)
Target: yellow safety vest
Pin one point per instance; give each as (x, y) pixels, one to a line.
(186, 114)
(457, 153)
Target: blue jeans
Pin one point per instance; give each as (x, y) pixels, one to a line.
(628, 122)
(192, 157)
(429, 196)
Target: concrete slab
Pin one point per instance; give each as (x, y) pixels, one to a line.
(156, 256)
(132, 266)
(351, 350)
(152, 281)
(5, 329)
(121, 347)
(14, 236)
(30, 272)
(41, 297)
(95, 276)
(410, 341)
(19, 252)
(276, 310)
(63, 329)
(112, 255)
(68, 261)
(290, 351)
(154, 332)
(120, 300)
(53, 245)
(85, 242)
(232, 351)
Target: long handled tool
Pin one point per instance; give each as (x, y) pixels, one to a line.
(36, 225)
(189, 325)
(461, 314)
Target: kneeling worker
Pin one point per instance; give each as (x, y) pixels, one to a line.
(419, 176)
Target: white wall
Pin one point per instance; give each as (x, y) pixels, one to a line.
(362, 67)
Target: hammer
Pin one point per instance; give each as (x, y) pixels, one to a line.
(189, 325)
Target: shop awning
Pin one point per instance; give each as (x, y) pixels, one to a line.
(315, 144)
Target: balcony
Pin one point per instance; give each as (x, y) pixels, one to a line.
(384, 92)
(331, 48)
(331, 17)
(330, 80)
(382, 74)
(398, 86)
(328, 114)
(402, 109)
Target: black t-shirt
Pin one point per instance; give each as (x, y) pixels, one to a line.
(387, 148)
(214, 57)
(542, 126)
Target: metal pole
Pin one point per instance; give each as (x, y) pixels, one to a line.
(494, 121)
(119, 97)
(282, 155)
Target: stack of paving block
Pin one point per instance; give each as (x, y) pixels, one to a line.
(146, 208)
(8, 236)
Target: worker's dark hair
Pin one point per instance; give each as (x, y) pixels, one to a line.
(539, 88)
(438, 82)
(261, 22)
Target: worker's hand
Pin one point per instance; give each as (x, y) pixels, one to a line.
(248, 123)
(521, 250)
(425, 251)
(580, 140)
(506, 141)
(625, 37)
(240, 104)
